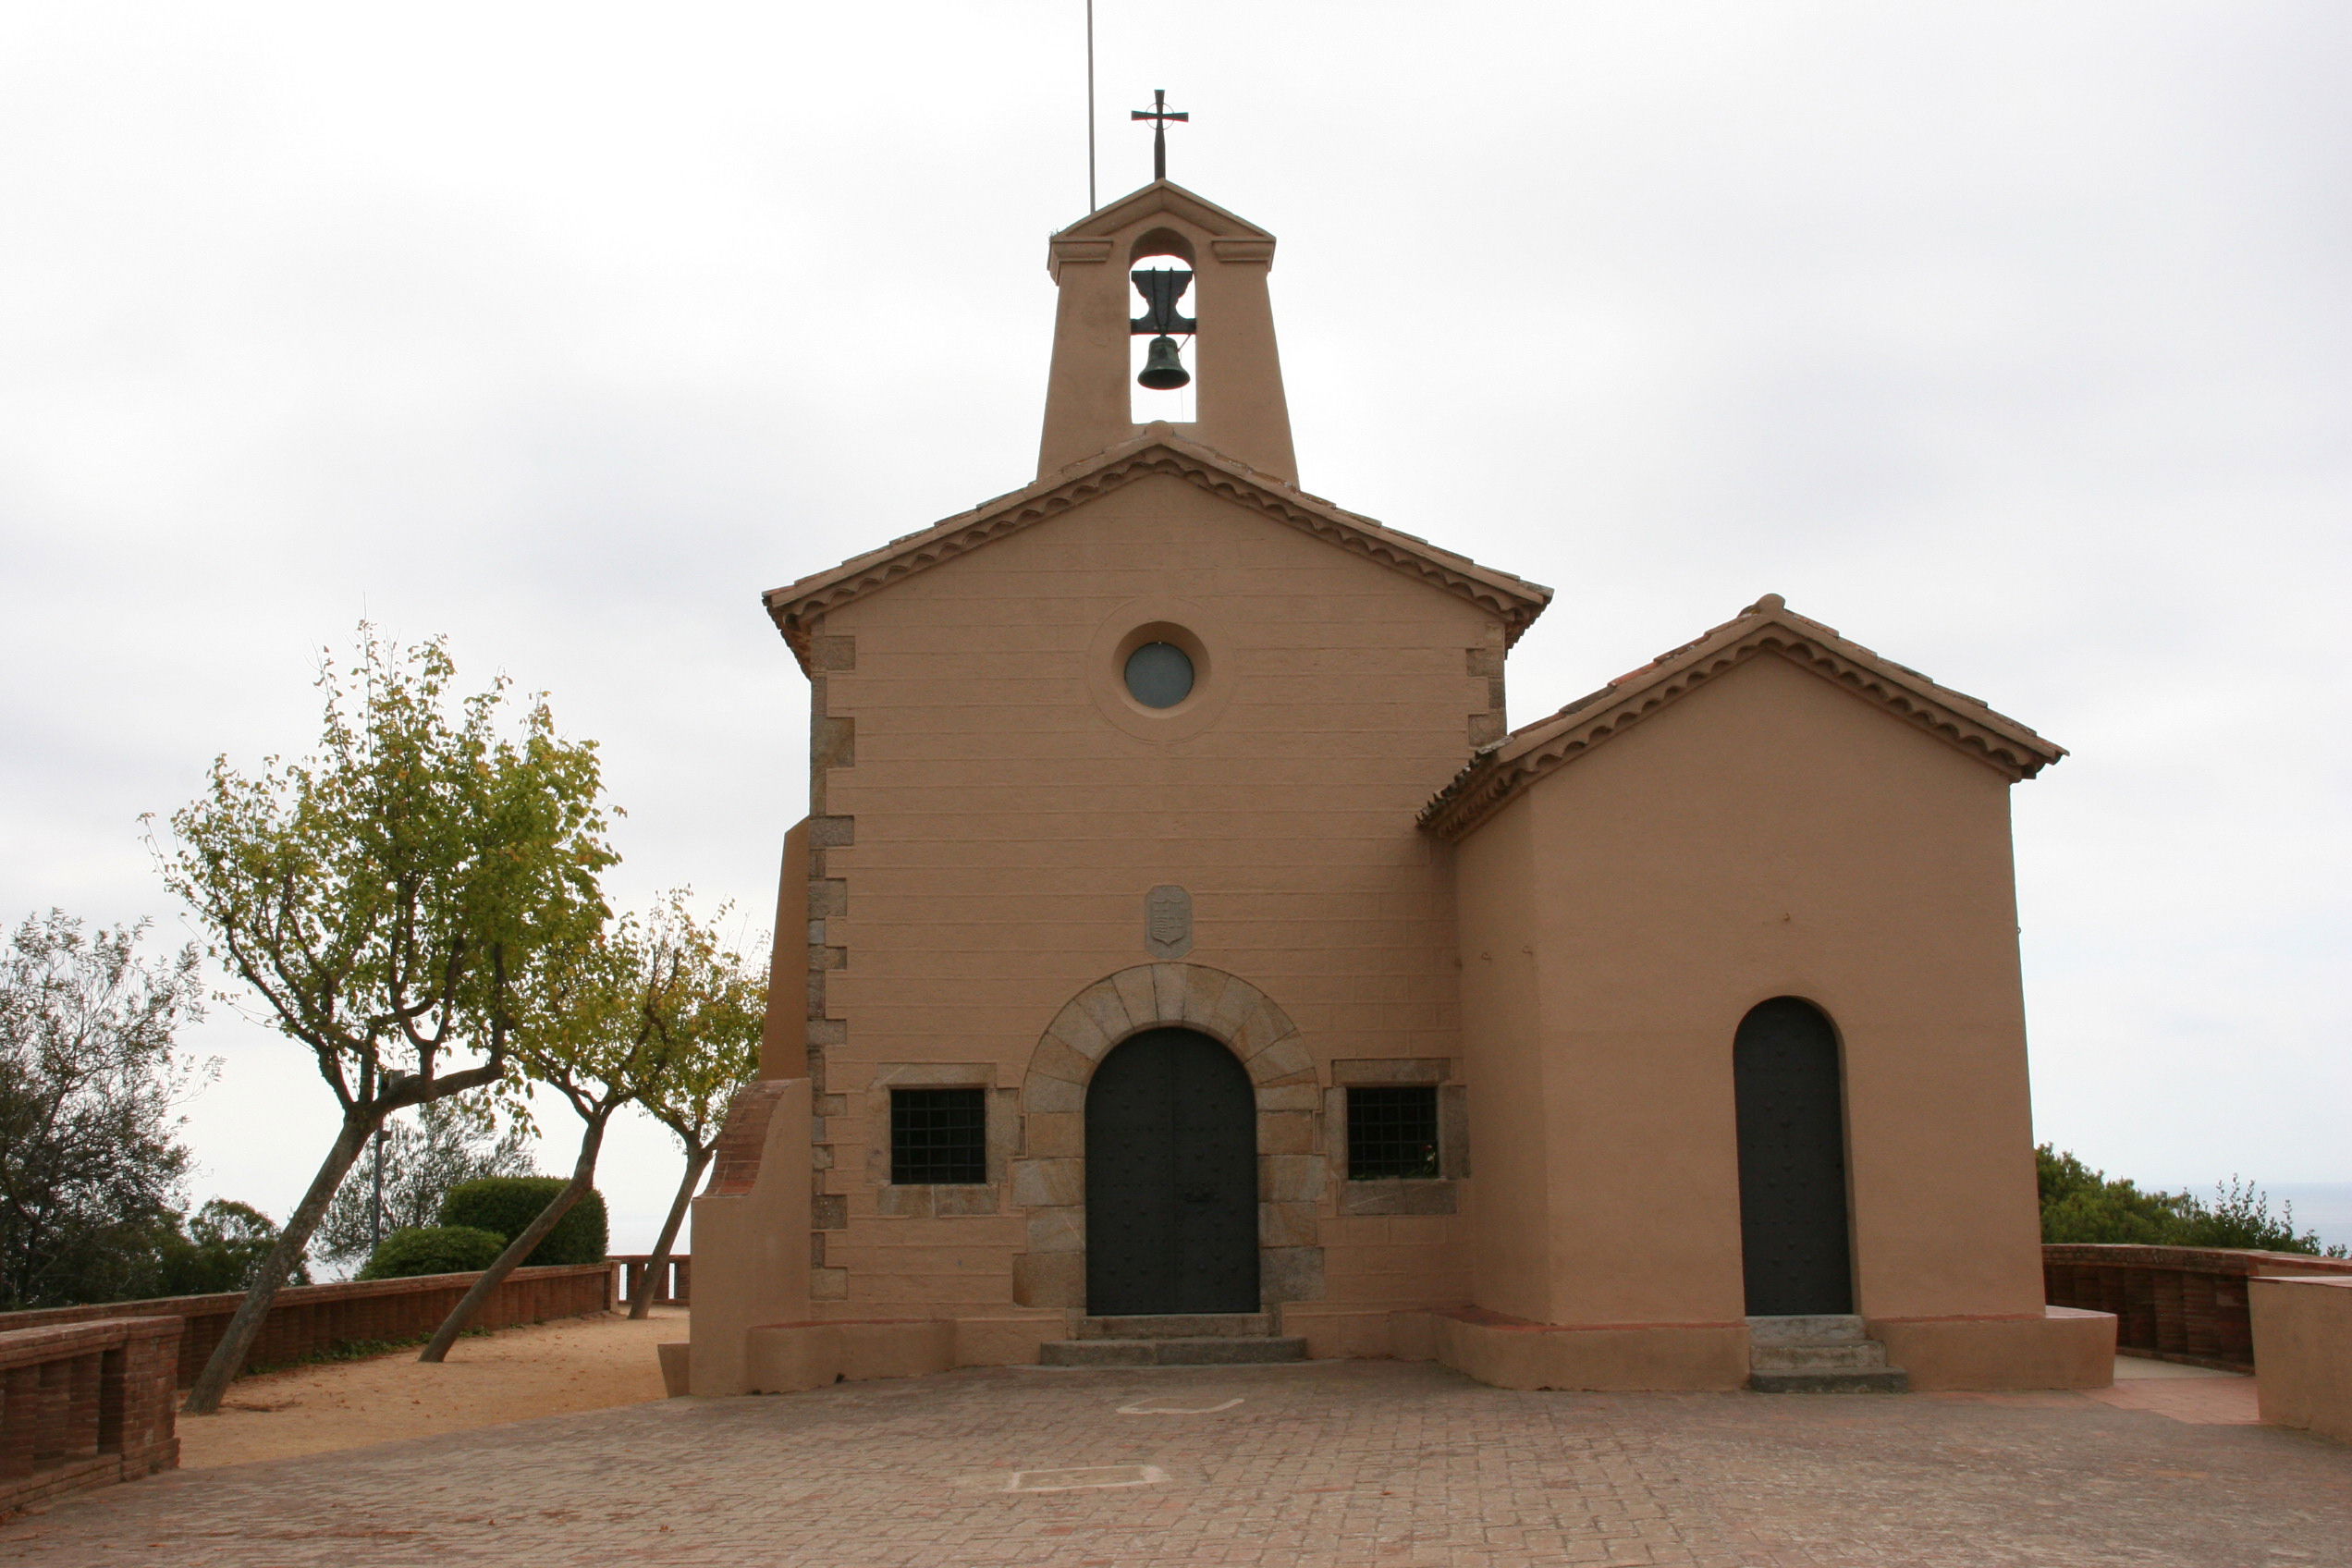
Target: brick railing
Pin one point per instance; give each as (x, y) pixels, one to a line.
(308, 1319)
(83, 1404)
(670, 1289)
(2175, 1304)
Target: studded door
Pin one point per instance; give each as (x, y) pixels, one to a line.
(1171, 1179)
(1794, 1243)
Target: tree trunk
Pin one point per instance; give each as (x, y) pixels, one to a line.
(584, 1176)
(229, 1356)
(697, 1161)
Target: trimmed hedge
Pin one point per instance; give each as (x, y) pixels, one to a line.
(507, 1205)
(433, 1249)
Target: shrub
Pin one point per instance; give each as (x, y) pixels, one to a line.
(419, 1155)
(508, 1203)
(433, 1249)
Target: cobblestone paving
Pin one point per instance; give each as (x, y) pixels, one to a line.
(1362, 1464)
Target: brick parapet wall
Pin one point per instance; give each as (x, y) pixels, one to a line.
(85, 1405)
(2175, 1304)
(673, 1289)
(307, 1319)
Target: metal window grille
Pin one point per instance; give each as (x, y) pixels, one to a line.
(1393, 1132)
(939, 1136)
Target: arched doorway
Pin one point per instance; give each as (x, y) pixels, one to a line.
(1789, 1087)
(1171, 1179)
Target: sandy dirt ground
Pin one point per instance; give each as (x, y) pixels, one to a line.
(514, 1375)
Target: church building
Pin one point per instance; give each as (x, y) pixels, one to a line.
(1182, 959)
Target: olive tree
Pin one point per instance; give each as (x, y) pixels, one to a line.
(609, 1019)
(389, 901)
(719, 1041)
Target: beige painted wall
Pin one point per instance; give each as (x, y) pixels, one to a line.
(1767, 835)
(784, 1031)
(751, 1224)
(1010, 807)
(2303, 1351)
(1509, 1197)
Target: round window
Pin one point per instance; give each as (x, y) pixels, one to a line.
(1159, 675)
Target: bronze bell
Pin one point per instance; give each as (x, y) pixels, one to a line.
(1163, 372)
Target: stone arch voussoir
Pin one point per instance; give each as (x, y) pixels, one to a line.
(1049, 1171)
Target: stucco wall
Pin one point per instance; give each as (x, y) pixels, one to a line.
(2303, 1351)
(1767, 835)
(1509, 1198)
(991, 811)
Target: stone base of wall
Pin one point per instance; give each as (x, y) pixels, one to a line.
(2064, 1348)
(782, 1359)
(2303, 1351)
(677, 1368)
(1510, 1352)
(787, 1357)
(1007, 1340)
(1362, 1333)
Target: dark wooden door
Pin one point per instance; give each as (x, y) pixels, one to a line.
(1171, 1179)
(1791, 1161)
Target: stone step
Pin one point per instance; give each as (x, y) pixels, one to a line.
(1178, 1326)
(1883, 1381)
(1860, 1355)
(1207, 1350)
(1810, 1328)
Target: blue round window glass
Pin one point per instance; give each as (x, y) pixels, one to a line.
(1159, 675)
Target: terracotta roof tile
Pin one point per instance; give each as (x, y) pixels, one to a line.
(1499, 772)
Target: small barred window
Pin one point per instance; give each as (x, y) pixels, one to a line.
(1393, 1132)
(938, 1136)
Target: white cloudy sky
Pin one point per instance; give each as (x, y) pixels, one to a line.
(2009, 337)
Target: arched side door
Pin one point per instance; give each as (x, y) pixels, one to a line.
(1171, 1179)
(1789, 1083)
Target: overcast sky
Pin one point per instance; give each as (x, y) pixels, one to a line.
(2010, 338)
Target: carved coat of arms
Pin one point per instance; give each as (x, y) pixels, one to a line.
(1168, 922)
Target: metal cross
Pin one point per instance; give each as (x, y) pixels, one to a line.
(1160, 114)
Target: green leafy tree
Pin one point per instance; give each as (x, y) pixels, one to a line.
(91, 1162)
(717, 1040)
(219, 1248)
(600, 1030)
(2082, 1205)
(390, 900)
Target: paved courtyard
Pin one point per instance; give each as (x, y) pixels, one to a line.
(1334, 1465)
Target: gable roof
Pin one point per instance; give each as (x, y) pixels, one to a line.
(1157, 449)
(1500, 773)
(1163, 196)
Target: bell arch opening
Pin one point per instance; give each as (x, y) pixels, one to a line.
(1162, 369)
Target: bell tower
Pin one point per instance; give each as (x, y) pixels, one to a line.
(1238, 376)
